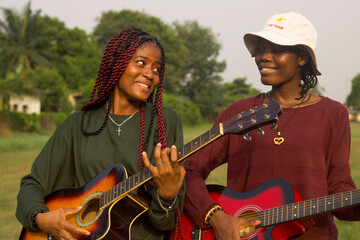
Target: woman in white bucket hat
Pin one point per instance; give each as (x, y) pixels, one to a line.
(309, 148)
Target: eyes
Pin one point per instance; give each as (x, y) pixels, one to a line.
(275, 49)
(155, 67)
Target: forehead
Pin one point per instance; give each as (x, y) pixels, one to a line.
(148, 50)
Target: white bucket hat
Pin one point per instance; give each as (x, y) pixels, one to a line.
(287, 29)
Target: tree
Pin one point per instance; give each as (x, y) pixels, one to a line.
(201, 78)
(21, 45)
(21, 48)
(77, 56)
(112, 22)
(237, 89)
(353, 100)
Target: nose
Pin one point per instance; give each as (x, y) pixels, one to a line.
(263, 55)
(148, 72)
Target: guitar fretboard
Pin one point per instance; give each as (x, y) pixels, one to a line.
(308, 208)
(144, 175)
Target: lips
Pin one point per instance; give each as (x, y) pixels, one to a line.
(143, 85)
(266, 69)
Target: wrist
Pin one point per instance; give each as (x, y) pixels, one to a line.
(33, 217)
(211, 213)
(165, 197)
(169, 203)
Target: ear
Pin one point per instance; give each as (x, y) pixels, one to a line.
(303, 58)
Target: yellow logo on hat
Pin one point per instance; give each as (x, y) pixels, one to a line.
(278, 20)
(281, 19)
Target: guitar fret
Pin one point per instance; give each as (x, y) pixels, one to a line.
(136, 180)
(322, 205)
(123, 186)
(107, 196)
(130, 181)
(346, 199)
(289, 213)
(307, 208)
(113, 196)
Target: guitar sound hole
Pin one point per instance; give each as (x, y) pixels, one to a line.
(90, 210)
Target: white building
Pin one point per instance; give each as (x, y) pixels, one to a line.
(25, 104)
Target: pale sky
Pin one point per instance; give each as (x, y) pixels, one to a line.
(337, 24)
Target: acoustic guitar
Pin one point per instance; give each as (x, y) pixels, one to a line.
(276, 204)
(109, 203)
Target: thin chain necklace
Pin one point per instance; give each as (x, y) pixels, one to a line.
(278, 140)
(119, 125)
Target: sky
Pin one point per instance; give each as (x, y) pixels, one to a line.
(337, 24)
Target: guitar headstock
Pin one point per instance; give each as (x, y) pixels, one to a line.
(244, 122)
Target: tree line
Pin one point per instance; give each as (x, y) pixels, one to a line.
(40, 55)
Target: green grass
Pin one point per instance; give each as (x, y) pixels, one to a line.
(17, 154)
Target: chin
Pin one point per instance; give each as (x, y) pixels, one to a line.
(266, 82)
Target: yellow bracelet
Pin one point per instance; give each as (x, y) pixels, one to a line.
(211, 212)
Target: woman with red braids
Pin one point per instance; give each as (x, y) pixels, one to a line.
(124, 123)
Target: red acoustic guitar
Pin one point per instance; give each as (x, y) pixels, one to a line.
(276, 204)
(109, 206)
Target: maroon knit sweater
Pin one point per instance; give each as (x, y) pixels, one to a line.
(314, 158)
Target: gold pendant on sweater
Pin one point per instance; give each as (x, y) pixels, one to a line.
(278, 140)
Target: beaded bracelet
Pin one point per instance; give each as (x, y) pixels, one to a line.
(211, 212)
(33, 216)
(169, 207)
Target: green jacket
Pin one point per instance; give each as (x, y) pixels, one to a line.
(70, 159)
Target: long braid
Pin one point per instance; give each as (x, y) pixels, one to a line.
(159, 104)
(308, 77)
(142, 131)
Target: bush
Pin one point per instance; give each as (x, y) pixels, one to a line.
(22, 122)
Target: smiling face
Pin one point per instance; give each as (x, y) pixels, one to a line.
(278, 64)
(141, 75)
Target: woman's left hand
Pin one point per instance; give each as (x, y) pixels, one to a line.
(168, 173)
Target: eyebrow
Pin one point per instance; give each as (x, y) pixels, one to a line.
(140, 56)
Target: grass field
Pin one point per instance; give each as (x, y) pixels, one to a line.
(18, 152)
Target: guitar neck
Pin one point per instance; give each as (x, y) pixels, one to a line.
(144, 175)
(308, 208)
(241, 123)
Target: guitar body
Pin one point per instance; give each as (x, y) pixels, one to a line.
(274, 193)
(112, 222)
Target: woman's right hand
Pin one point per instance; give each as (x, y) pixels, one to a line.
(55, 224)
(227, 227)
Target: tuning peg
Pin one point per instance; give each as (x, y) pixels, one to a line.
(247, 137)
(260, 131)
(273, 127)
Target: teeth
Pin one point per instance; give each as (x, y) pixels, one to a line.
(267, 68)
(143, 85)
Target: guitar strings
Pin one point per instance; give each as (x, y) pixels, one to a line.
(323, 201)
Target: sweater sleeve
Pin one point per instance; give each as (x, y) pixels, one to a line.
(198, 167)
(339, 173)
(157, 216)
(51, 170)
